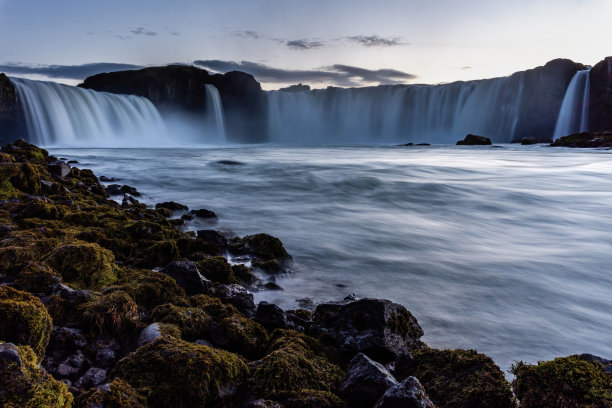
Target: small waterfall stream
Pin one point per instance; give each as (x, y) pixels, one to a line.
(574, 114)
(214, 117)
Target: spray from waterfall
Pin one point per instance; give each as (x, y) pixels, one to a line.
(214, 115)
(574, 114)
(59, 114)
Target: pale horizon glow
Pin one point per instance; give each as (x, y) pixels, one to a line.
(437, 41)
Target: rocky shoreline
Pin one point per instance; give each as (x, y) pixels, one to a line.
(111, 305)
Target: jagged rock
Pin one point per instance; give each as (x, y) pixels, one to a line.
(59, 169)
(172, 206)
(149, 334)
(187, 276)
(379, 328)
(473, 140)
(92, 378)
(270, 316)
(365, 382)
(236, 296)
(407, 394)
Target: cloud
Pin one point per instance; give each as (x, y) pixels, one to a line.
(249, 34)
(304, 44)
(142, 31)
(338, 75)
(376, 41)
(78, 72)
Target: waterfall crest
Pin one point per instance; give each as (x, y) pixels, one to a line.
(214, 115)
(395, 114)
(574, 114)
(59, 114)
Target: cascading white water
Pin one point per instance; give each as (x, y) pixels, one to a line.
(214, 115)
(417, 113)
(59, 114)
(574, 114)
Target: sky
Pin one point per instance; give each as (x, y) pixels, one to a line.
(320, 43)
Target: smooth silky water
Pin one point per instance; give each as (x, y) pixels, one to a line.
(505, 250)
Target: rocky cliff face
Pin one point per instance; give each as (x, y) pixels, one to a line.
(177, 88)
(543, 89)
(600, 98)
(12, 121)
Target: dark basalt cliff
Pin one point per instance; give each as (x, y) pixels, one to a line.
(180, 88)
(12, 121)
(543, 89)
(600, 97)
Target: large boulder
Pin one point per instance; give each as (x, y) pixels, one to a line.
(365, 382)
(473, 140)
(407, 394)
(187, 276)
(600, 96)
(379, 328)
(585, 139)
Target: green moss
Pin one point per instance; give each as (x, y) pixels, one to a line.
(243, 274)
(117, 394)
(85, 265)
(36, 278)
(29, 386)
(562, 382)
(13, 257)
(311, 399)
(192, 322)
(462, 379)
(150, 289)
(42, 210)
(24, 151)
(114, 313)
(294, 363)
(161, 253)
(24, 320)
(403, 323)
(173, 373)
(217, 270)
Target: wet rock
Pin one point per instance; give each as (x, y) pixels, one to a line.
(263, 246)
(9, 354)
(70, 294)
(379, 328)
(298, 320)
(92, 378)
(202, 213)
(107, 179)
(272, 286)
(407, 394)
(149, 334)
(423, 144)
(474, 140)
(403, 365)
(585, 139)
(534, 140)
(270, 316)
(260, 403)
(106, 358)
(71, 367)
(365, 382)
(187, 276)
(59, 169)
(116, 189)
(172, 206)
(236, 296)
(214, 237)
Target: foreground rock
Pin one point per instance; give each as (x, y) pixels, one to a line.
(365, 382)
(379, 328)
(407, 394)
(585, 139)
(473, 140)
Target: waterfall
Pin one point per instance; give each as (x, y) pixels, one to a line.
(65, 115)
(574, 114)
(214, 116)
(395, 114)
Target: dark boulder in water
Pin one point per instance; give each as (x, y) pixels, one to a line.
(379, 328)
(585, 139)
(171, 205)
(202, 213)
(534, 140)
(474, 140)
(116, 189)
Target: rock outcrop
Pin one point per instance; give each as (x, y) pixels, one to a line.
(585, 139)
(12, 120)
(473, 140)
(181, 88)
(600, 96)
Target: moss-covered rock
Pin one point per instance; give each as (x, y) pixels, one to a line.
(116, 394)
(150, 289)
(294, 363)
(192, 322)
(85, 265)
(217, 269)
(115, 313)
(263, 246)
(462, 379)
(24, 320)
(570, 382)
(26, 152)
(174, 373)
(23, 384)
(311, 399)
(36, 278)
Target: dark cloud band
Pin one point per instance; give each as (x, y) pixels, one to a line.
(78, 72)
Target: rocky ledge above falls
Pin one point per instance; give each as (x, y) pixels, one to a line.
(180, 88)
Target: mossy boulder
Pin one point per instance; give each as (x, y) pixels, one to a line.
(115, 313)
(563, 382)
(23, 384)
(173, 373)
(150, 289)
(116, 394)
(192, 322)
(36, 278)
(462, 379)
(26, 152)
(585, 139)
(312, 399)
(85, 265)
(295, 362)
(217, 269)
(24, 320)
(262, 246)
(17, 179)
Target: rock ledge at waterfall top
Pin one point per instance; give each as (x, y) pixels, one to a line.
(96, 311)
